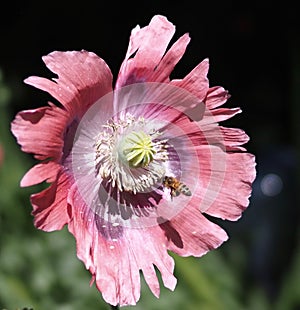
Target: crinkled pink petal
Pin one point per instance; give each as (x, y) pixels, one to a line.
(235, 191)
(116, 272)
(83, 78)
(45, 171)
(222, 114)
(176, 109)
(216, 96)
(196, 82)
(139, 249)
(115, 261)
(190, 233)
(104, 257)
(233, 138)
(29, 129)
(226, 187)
(226, 170)
(64, 96)
(149, 63)
(153, 242)
(50, 209)
(149, 45)
(170, 59)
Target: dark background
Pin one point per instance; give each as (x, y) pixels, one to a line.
(254, 52)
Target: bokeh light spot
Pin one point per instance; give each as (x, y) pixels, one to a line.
(271, 184)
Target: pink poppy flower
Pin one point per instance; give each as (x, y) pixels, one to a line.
(134, 168)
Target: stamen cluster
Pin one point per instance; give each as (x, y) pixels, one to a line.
(130, 155)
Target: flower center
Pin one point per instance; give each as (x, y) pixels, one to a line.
(130, 155)
(138, 149)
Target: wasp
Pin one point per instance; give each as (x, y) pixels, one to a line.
(176, 187)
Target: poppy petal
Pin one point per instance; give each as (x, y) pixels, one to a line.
(50, 208)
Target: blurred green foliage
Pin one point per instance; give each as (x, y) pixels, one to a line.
(40, 270)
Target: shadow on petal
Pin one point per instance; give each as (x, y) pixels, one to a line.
(170, 232)
(116, 206)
